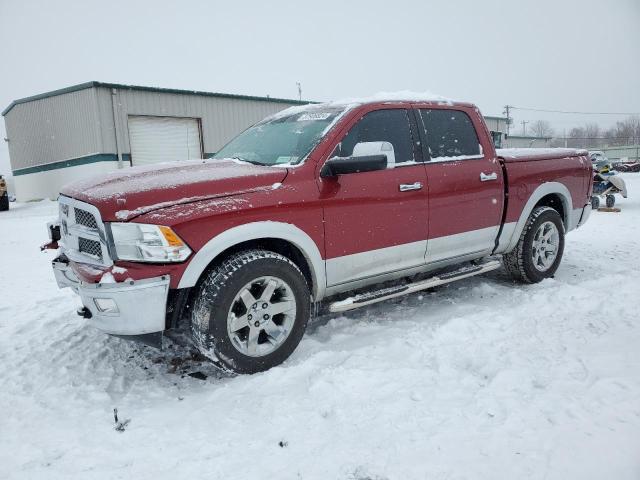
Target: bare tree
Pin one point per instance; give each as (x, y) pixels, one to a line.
(626, 132)
(541, 128)
(592, 134)
(576, 138)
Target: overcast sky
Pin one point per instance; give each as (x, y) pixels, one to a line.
(581, 55)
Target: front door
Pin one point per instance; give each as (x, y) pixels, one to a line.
(465, 187)
(376, 222)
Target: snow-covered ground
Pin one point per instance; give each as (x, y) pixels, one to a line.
(482, 379)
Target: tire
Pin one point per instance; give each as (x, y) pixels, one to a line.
(4, 203)
(533, 260)
(595, 203)
(240, 325)
(610, 201)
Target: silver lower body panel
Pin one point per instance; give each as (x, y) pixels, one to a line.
(126, 308)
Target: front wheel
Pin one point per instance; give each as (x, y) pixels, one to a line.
(595, 202)
(251, 311)
(4, 202)
(539, 250)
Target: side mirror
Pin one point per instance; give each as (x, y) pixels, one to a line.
(344, 165)
(363, 149)
(367, 157)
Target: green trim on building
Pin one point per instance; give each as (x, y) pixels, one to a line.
(527, 137)
(93, 84)
(74, 162)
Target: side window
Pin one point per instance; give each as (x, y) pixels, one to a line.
(450, 133)
(382, 126)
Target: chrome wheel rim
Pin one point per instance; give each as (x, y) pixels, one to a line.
(261, 316)
(545, 246)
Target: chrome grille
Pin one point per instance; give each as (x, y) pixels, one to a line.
(83, 233)
(85, 218)
(90, 247)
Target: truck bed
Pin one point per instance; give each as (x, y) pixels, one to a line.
(527, 154)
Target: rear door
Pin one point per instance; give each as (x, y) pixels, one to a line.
(465, 185)
(376, 222)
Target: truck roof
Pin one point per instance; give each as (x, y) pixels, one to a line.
(382, 98)
(404, 96)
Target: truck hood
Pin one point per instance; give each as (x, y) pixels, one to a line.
(125, 194)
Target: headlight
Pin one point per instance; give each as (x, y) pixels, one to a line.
(148, 243)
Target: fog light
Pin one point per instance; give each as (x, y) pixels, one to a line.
(106, 305)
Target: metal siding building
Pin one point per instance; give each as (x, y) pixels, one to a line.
(88, 129)
(520, 141)
(496, 124)
(64, 135)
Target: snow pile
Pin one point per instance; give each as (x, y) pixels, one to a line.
(479, 380)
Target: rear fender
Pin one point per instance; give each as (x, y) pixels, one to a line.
(511, 232)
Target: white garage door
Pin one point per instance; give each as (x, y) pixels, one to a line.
(163, 139)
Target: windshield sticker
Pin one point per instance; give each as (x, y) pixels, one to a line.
(313, 116)
(285, 159)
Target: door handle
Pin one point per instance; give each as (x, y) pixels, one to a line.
(406, 187)
(486, 177)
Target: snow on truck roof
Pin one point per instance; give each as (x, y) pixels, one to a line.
(381, 97)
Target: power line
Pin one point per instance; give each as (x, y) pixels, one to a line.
(574, 113)
(595, 138)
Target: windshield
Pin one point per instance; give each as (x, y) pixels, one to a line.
(283, 139)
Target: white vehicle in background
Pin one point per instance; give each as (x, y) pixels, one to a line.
(599, 159)
(606, 181)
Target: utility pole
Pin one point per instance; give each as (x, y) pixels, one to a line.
(299, 90)
(506, 112)
(524, 127)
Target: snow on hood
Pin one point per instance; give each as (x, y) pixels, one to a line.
(125, 194)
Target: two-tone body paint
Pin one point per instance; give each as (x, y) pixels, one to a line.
(361, 227)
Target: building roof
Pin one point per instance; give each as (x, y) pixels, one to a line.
(491, 117)
(93, 84)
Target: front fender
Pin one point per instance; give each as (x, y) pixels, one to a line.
(257, 231)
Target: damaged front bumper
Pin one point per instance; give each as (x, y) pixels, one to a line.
(134, 309)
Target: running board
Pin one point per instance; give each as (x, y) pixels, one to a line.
(376, 296)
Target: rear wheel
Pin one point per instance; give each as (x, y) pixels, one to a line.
(610, 201)
(539, 250)
(251, 311)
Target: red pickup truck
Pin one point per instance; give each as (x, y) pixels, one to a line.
(331, 206)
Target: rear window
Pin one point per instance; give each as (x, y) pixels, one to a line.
(450, 134)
